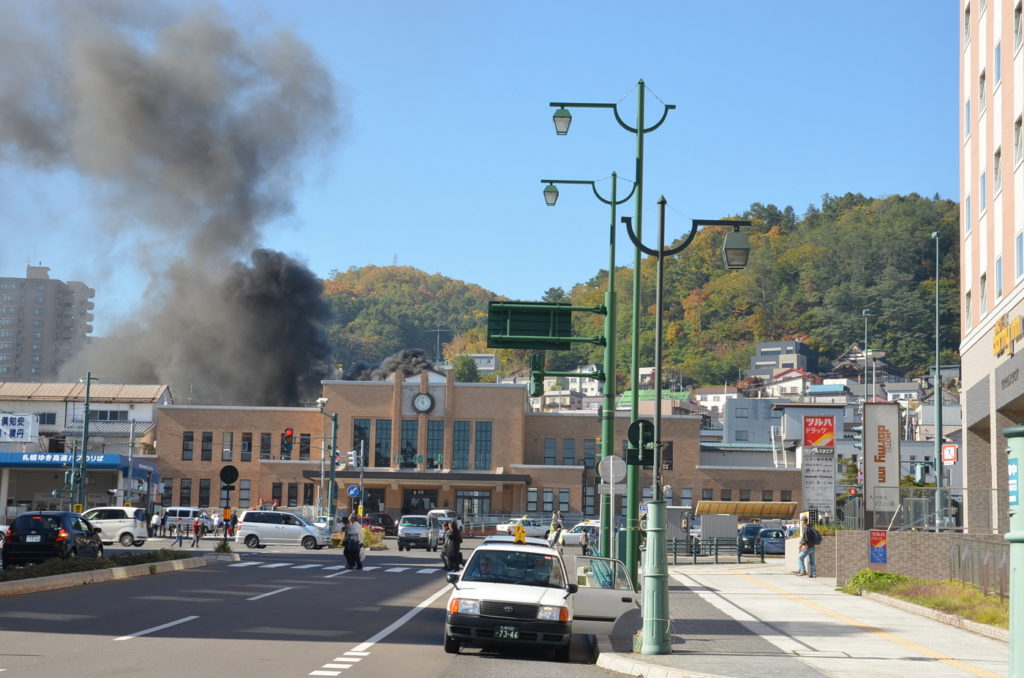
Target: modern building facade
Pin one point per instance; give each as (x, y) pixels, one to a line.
(991, 250)
(43, 322)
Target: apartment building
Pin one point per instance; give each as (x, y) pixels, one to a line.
(991, 250)
(43, 322)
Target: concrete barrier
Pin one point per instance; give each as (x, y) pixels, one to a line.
(59, 581)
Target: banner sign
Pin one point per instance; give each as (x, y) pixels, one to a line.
(819, 431)
(879, 546)
(19, 428)
(818, 474)
(882, 456)
(1013, 481)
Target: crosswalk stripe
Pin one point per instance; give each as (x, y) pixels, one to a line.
(372, 567)
(358, 654)
(396, 569)
(347, 659)
(335, 567)
(273, 565)
(306, 567)
(245, 564)
(325, 673)
(427, 570)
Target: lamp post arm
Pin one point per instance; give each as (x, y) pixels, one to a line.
(615, 110)
(653, 252)
(593, 187)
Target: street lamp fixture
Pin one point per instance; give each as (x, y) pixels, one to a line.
(550, 194)
(562, 118)
(333, 416)
(736, 249)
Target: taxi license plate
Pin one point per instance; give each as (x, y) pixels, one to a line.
(32, 537)
(506, 632)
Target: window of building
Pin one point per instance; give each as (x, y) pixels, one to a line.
(435, 444)
(460, 446)
(187, 444)
(304, 445)
(37, 323)
(742, 436)
(382, 442)
(47, 418)
(667, 453)
(563, 499)
(266, 443)
(7, 321)
(185, 492)
(1016, 26)
(549, 500)
(997, 170)
(686, 496)
(967, 24)
(981, 92)
(967, 214)
(999, 277)
(307, 494)
(742, 412)
(997, 62)
(967, 118)
(206, 446)
(6, 357)
(725, 494)
(204, 492)
(227, 446)
(293, 495)
(967, 310)
(744, 495)
(1018, 248)
(982, 295)
(108, 415)
(361, 436)
(589, 500)
(409, 449)
(5, 369)
(35, 370)
(531, 500)
(589, 452)
(247, 446)
(1018, 141)
(550, 445)
(244, 490)
(36, 335)
(569, 451)
(275, 493)
(482, 457)
(473, 502)
(167, 498)
(767, 495)
(786, 495)
(707, 494)
(982, 191)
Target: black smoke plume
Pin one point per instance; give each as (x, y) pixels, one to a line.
(192, 134)
(406, 362)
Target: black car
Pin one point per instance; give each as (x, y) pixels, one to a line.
(40, 535)
(748, 535)
(382, 520)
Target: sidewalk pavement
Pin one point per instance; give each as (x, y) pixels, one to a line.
(754, 619)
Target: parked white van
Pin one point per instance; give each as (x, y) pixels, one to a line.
(181, 517)
(421, 531)
(124, 524)
(260, 528)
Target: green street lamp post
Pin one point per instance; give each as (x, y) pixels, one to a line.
(563, 119)
(80, 486)
(937, 394)
(608, 407)
(735, 252)
(333, 416)
(1014, 458)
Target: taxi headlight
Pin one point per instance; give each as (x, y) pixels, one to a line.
(553, 613)
(464, 606)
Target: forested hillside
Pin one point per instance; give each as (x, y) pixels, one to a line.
(809, 277)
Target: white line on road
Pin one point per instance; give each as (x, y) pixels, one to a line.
(337, 573)
(325, 673)
(350, 659)
(363, 647)
(396, 569)
(427, 570)
(269, 593)
(158, 628)
(335, 567)
(358, 654)
(306, 567)
(245, 564)
(273, 565)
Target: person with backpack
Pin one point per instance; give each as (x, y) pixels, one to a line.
(810, 538)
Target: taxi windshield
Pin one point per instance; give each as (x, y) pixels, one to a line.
(515, 567)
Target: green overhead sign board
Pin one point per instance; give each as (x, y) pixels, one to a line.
(529, 325)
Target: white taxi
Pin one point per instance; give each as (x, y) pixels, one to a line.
(515, 593)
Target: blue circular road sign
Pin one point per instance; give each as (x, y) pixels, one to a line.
(353, 490)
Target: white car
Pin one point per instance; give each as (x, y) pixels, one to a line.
(515, 594)
(3, 533)
(260, 528)
(123, 524)
(591, 527)
(533, 527)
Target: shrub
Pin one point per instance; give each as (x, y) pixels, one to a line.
(58, 566)
(222, 547)
(874, 581)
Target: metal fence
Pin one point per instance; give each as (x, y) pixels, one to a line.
(985, 564)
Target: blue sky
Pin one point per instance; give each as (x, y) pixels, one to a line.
(446, 131)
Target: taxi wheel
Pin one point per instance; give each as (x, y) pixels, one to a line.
(451, 646)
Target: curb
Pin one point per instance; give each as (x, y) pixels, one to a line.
(60, 581)
(632, 665)
(993, 632)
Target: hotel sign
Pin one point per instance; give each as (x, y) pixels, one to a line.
(882, 456)
(1006, 333)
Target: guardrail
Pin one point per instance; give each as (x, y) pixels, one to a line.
(984, 564)
(714, 547)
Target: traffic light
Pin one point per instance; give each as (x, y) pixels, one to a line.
(537, 375)
(353, 458)
(287, 440)
(920, 473)
(858, 435)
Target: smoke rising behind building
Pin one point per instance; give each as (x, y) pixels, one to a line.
(192, 136)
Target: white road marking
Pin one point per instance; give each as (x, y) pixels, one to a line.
(358, 654)
(325, 673)
(337, 573)
(363, 647)
(157, 628)
(350, 659)
(306, 567)
(245, 564)
(269, 593)
(335, 567)
(396, 569)
(273, 565)
(427, 570)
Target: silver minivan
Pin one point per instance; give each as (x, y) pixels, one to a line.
(124, 524)
(421, 531)
(261, 528)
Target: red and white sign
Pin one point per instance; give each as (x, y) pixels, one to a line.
(819, 431)
(949, 454)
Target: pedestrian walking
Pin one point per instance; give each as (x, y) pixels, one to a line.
(585, 541)
(163, 525)
(352, 543)
(451, 548)
(218, 522)
(179, 534)
(197, 532)
(556, 538)
(154, 524)
(810, 538)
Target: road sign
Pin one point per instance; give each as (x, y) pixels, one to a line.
(228, 474)
(353, 490)
(612, 469)
(640, 432)
(605, 488)
(949, 454)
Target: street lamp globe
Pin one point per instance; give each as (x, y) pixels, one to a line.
(550, 195)
(562, 118)
(736, 250)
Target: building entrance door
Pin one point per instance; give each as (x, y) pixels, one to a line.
(418, 501)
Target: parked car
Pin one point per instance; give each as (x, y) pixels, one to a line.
(261, 528)
(419, 531)
(748, 534)
(41, 535)
(381, 520)
(3, 534)
(516, 594)
(770, 540)
(533, 527)
(181, 517)
(123, 524)
(591, 527)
